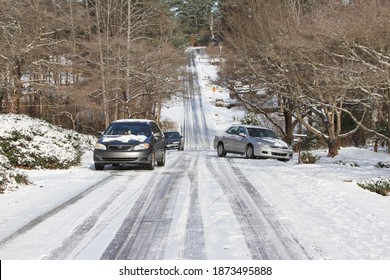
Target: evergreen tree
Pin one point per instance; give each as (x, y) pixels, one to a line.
(194, 16)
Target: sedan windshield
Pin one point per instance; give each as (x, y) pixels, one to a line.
(261, 133)
(172, 134)
(128, 129)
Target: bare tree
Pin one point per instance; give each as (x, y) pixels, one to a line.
(82, 64)
(26, 35)
(40, 52)
(129, 34)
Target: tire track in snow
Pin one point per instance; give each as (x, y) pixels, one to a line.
(322, 247)
(196, 129)
(291, 243)
(124, 238)
(91, 226)
(194, 239)
(264, 234)
(33, 223)
(143, 233)
(206, 133)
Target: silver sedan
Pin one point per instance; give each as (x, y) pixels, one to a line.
(252, 141)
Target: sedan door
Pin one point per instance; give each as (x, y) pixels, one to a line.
(228, 138)
(240, 140)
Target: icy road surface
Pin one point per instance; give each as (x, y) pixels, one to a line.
(198, 206)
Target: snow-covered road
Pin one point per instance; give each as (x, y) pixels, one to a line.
(200, 206)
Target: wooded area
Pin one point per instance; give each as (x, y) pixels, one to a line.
(82, 64)
(324, 64)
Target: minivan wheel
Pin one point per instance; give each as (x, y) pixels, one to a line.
(99, 166)
(150, 165)
(161, 162)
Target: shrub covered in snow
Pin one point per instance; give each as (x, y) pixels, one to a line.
(10, 178)
(251, 119)
(382, 164)
(346, 162)
(308, 157)
(380, 186)
(33, 143)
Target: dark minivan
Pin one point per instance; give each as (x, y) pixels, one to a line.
(130, 141)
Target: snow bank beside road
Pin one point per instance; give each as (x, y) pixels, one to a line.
(35, 144)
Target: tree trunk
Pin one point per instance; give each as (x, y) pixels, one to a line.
(289, 127)
(102, 68)
(15, 100)
(333, 147)
(128, 58)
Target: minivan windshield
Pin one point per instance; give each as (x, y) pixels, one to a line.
(128, 129)
(259, 132)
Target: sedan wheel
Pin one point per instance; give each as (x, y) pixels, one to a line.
(249, 153)
(150, 165)
(161, 162)
(221, 150)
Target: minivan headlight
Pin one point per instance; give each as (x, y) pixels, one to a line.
(143, 146)
(100, 146)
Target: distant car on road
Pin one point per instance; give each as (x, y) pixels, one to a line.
(252, 141)
(173, 140)
(130, 141)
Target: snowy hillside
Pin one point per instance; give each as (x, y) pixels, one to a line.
(29, 143)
